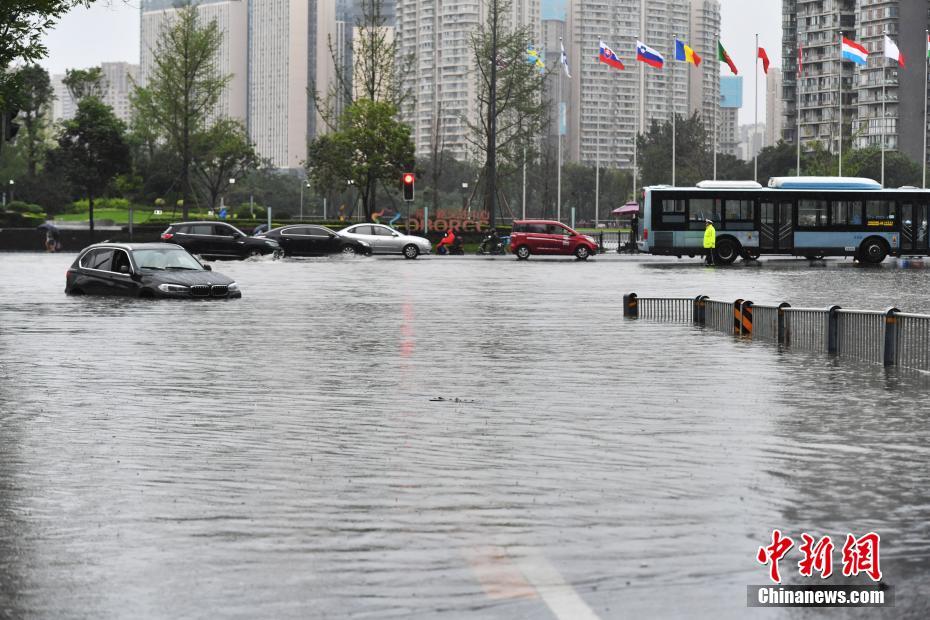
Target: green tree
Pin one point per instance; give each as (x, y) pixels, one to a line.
(510, 107)
(370, 146)
(224, 152)
(693, 160)
(899, 169)
(23, 26)
(183, 90)
(91, 150)
(34, 101)
(83, 83)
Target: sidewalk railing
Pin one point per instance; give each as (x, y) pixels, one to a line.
(889, 337)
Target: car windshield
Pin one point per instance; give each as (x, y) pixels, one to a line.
(167, 258)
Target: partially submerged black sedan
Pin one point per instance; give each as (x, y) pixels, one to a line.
(145, 270)
(312, 240)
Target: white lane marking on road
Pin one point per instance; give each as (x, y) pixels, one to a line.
(558, 595)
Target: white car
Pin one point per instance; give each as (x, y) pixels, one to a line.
(385, 240)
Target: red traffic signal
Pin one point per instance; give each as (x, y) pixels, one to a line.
(408, 180)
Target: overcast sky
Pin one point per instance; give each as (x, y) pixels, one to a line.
(109, 31)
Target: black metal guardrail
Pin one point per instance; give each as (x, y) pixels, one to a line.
(888, 337)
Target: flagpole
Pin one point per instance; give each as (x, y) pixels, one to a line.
(716, 107)
(884, 75)
(926, 79)
(755, 129)
(671, 103)
(797, 85)
(524, 182)
(558, 208)
(840, 64)
(597, 170)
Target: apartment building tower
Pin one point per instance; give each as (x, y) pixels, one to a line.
(613, 106)
(704, 81)
(436, 35)
(231, 17)
(774, 107)
(815, 27)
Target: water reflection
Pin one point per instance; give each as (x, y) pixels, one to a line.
(282, 455)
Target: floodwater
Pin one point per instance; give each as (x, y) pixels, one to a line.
(284, 455)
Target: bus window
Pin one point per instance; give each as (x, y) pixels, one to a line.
(812, 213)
(739, 214)
(879, 212)
(846, 212)
(673, 211)
(701, 210)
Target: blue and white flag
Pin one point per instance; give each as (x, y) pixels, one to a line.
(568, 73)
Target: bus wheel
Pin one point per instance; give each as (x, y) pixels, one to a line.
(727, 251)
(873, 250)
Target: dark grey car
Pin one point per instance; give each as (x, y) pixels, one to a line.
(145, 270)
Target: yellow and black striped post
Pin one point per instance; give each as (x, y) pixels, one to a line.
(737, 316)
(746, 325)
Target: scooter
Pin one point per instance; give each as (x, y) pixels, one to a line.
(494, 245)
(450, 245)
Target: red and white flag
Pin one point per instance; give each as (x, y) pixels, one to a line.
(892, 51)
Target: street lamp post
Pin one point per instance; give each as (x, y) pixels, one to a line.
(223, 195)
(11, 191)
(302, 186)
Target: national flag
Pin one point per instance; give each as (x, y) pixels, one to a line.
(722, 56)
(533, 57)
(801, 59)
(651, 57)
(928, 47)
(608, 57)
(892, 51)
(765, 60)
(568, 73)
(854, 52)
(686, 54)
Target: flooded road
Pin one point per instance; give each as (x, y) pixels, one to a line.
(286, 455)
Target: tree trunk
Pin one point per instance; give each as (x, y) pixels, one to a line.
(492, 119)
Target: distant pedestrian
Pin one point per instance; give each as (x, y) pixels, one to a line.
(634, 229)
(710, 241)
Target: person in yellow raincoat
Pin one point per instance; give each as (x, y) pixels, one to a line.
(710, 241)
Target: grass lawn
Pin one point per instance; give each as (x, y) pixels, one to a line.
(119, 216)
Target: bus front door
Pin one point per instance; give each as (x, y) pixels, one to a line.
(776, 227)
(785, 237)
(768, 226)
(914, 233)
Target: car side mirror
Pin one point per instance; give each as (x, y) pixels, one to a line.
(124, 269)
(395, 234)
(207, 267)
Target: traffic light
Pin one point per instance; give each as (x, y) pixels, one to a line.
(408, 186)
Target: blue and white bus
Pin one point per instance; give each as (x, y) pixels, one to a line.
(800, 216)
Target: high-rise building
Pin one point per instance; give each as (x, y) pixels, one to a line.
(613, 106)
(443, 81)
(704, 87)
(117, 86)
(554, 32)
(904, 22)
(731, 100)
(231, 17)
(63, 107)
(774, 107)
(815, 26)
(118, 79)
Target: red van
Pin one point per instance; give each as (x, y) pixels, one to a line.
(547, 237)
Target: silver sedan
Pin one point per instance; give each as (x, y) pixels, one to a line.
(385, 240)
